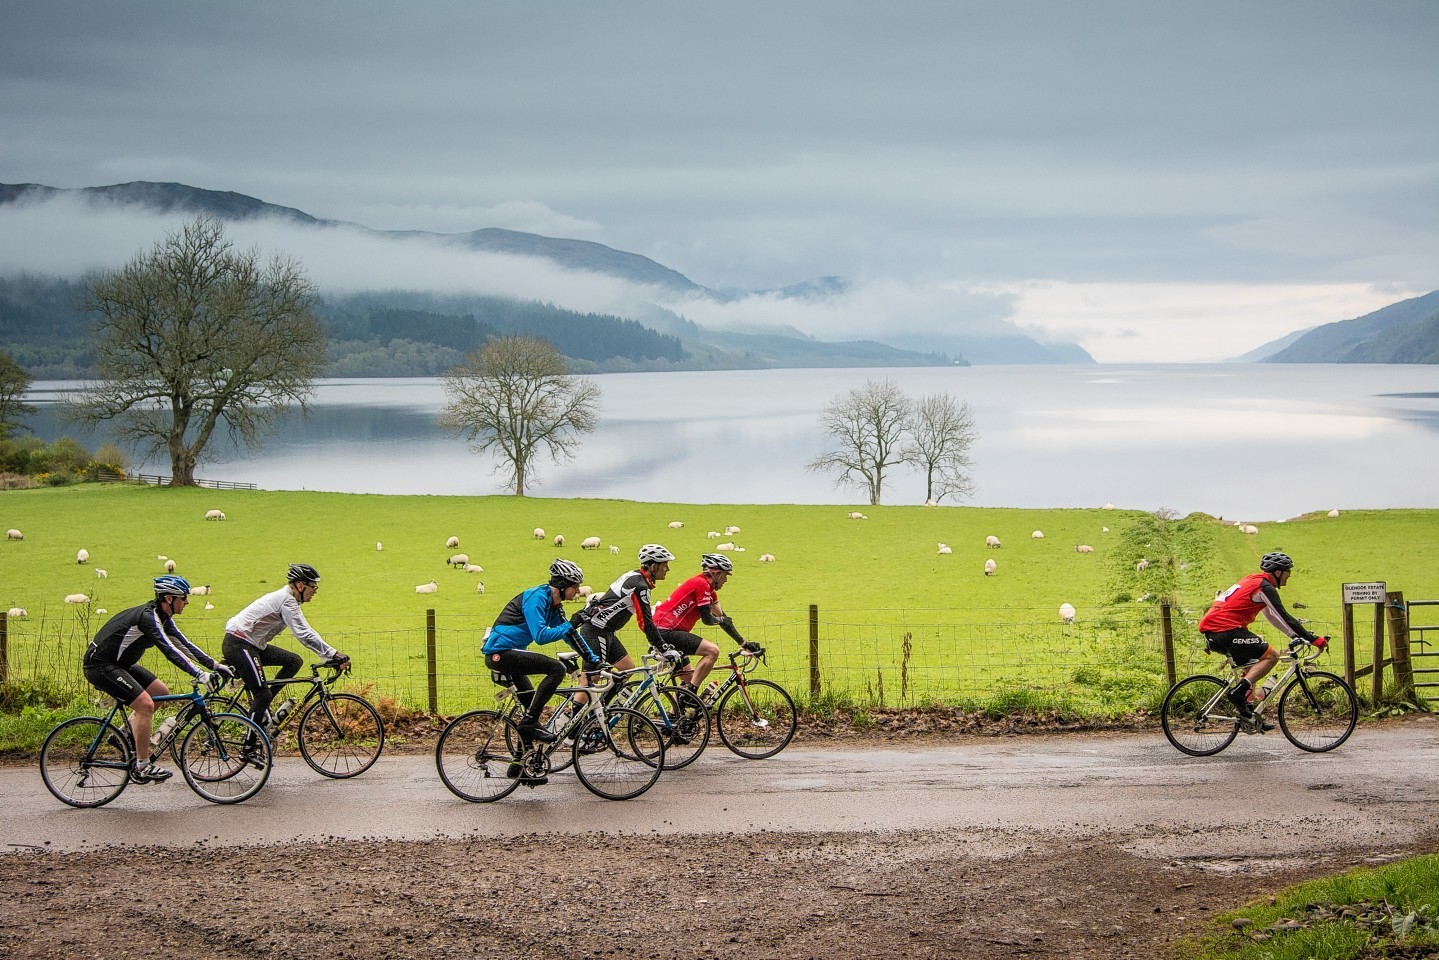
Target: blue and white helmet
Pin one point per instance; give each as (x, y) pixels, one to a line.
(172, 586)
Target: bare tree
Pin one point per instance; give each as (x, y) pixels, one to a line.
(867, 425)
(193, 335)
(14, 381)
(941, 432)
(516, 396)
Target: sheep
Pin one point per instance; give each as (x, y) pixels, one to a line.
(559, 540)
(431, 587)
(214, 514)
(766, 558)
(82, 555)
(989, 567)
(944, 550)
(1108, 506)
(1066, 612)
(209, 606)
(161, 557)
(201, 591)
(379, 546)
(77, 598)
(101, 573)
(677, 524)
(479, 586)
(539, 533)
(13, 534)
(1083, 548)
(586, 590)
(992, 542)
(731, 531)
(590, 543)
(856, 515)
(1037, 535)
(18, 613)
(713, 535)
(169, 566)
(725, 547)
(459, 560)
(1141, 566)
(452, 543)
(1249, 528)
(474, 568)
(931, 502)
(102, 611)
(1332, 513)
(614, 550)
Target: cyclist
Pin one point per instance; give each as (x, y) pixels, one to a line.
(696, 600)
(628, 596)
(534, 616)
(111, 663)
(1226, 626)
(249, 632)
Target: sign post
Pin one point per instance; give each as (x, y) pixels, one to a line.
(1373, 592)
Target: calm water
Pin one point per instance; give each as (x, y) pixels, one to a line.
(1238, 441)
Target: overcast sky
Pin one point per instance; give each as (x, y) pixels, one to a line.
(1153, 180)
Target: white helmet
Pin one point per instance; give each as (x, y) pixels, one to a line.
(716, 561)
(566, 571)
(654, 553)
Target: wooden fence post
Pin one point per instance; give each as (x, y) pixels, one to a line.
(1166, 626)
(1377, 687)
(4, 646)
(430, 660)
(1399, 643)
(1348, 629)
(814, 650)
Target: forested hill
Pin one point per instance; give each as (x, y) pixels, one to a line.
(1404, 332)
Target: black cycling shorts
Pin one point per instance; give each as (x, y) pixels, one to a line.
(1242, 645)
(598, 647)
(682, 640)
(123, 683)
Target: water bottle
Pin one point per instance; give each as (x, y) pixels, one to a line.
(283, 711)
(161, 733)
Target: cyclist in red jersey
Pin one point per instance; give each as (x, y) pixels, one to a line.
(696, 600)
(1226, 625)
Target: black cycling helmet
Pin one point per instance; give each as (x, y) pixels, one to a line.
(172, 586)
(303, 573)
(1274, 562)
(716, 561)
(565, 574)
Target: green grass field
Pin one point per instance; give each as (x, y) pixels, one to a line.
(899, 622)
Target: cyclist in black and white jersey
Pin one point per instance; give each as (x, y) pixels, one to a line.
(111, 662)
(627, 598)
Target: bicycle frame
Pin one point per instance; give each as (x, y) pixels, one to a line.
(194, 709)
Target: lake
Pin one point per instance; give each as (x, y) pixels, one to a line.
(1242, 441)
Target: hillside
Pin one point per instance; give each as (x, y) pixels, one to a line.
(1404, 332)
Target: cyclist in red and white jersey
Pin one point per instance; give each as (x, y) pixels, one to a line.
(693, 601)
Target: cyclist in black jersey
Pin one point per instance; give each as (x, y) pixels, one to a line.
(111, 662)
(628, 597)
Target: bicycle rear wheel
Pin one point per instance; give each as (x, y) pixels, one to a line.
(474, 758)
(226, 758)
(683, 721)
(631, 759)
(1197, 718)
(756, 720)
(85, 762)
(341, 735)
(1317, 711)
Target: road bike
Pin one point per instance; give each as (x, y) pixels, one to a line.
(756, 719)
(340, 735)
(224, 757)
(677, 711)
(1316, 710)
(617, 753)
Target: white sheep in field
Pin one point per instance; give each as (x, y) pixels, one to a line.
(1249, 528)
(944, 550)
(725, 547)
(989, 567)
(677, 525)
(169, 566)
(379, 546)
(13, 534)
(431, 587)
(1333, 513)
(1141, 566)
(713, 535)
(539, 533)
(209, 606)
(1083, 548)
(101, 573)
(931, 502)
(201, 591)
(992, 542)
(766, 558)
(18, 613)
(161, 557)
(731, 531)
(559, 540)
(1037, 535)
(474, 568)
(856, 515)
(452, 543)
(214, 514)
(1108, 506)
(82, 555)
(480, 586)
(102, 611)
(590, 543)
(458, 560)
(614, 550)
(1066, 612)
(77, 598)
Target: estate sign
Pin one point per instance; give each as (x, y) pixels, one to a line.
(1364, 592)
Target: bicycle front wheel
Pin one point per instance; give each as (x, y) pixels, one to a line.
(85, 762)
(341, 735)
(1317, 711)
(682, 720)
(1197, 718)
(756, 720)
(620, 758)
(474, 758)
(226, 758)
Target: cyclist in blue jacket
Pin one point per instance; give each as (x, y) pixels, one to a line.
(534, 616)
